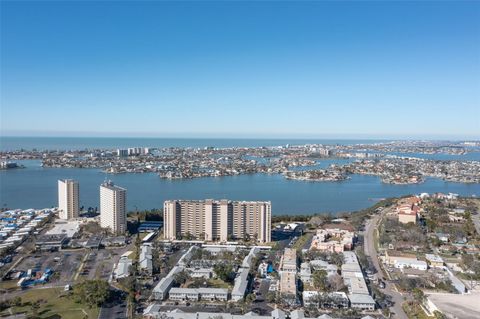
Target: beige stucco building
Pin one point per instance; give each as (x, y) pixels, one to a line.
(220, 220)
(68, 198)
(113, 211)
(407, 213)
(288, 272)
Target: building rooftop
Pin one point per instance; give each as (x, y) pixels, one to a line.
(434, 258)
(69, 228)
(198, 291)
(122, 269)
(355, 282)
(241, 283)
(51, 239)
(111, 186)
(361, 299)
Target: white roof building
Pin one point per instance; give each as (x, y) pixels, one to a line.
(361, 301)
(122, 269)
(153, 311)
(146, 258)
(163, 287)
(240, 286)
(198, 293)
(407, 262)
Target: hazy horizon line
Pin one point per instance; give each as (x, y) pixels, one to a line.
(347, 136)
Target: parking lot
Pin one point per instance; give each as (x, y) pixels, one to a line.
(73, 265)
(63, 263)
(98, 264)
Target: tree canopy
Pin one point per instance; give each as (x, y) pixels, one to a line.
(223, 271)
(92, 292)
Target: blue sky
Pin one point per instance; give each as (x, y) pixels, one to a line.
(243, 69)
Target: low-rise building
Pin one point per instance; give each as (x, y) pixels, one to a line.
(307, 268)
(51, 242)
(122, 270)
(305, 273)
(325, 300)
(153, 311)
(195, 294)
(288, 272)
(407, 213)
(333, 239)
(358, 292)
(150, 226)
(145, 258)
(435, 261)
(361, 301)
(161, 290)
(248, 259)
(331, 269)
(198, 272)
(288, 283)
(404, 261)
(240, 286)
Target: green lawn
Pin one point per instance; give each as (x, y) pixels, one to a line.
(53, 301)
(217, 283)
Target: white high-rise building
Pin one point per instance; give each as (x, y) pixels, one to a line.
(68, 198)
(217, 220)
(113, 211)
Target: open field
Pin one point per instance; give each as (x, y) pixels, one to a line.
(52, 302)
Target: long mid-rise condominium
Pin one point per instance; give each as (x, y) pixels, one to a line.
(68, 193)
(113, 211)
(217, 220)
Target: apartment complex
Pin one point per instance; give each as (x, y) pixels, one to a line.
(68, 198)
(113, 211)
(333, 239)
(217, 219)
(408, 210)
(288, 272)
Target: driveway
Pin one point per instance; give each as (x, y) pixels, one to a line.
(369, 247)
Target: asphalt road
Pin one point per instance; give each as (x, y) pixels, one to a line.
(117, 309)
(369, 247)
(260, 305)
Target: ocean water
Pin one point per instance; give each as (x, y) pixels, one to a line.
(79, 143)
(36, 187)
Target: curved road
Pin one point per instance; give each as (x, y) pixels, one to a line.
(369, 247)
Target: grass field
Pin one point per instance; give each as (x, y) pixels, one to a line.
(54, 303)
(217, 283)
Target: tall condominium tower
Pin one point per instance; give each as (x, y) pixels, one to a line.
(113, 211)
(68, 198)
(217, 219)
